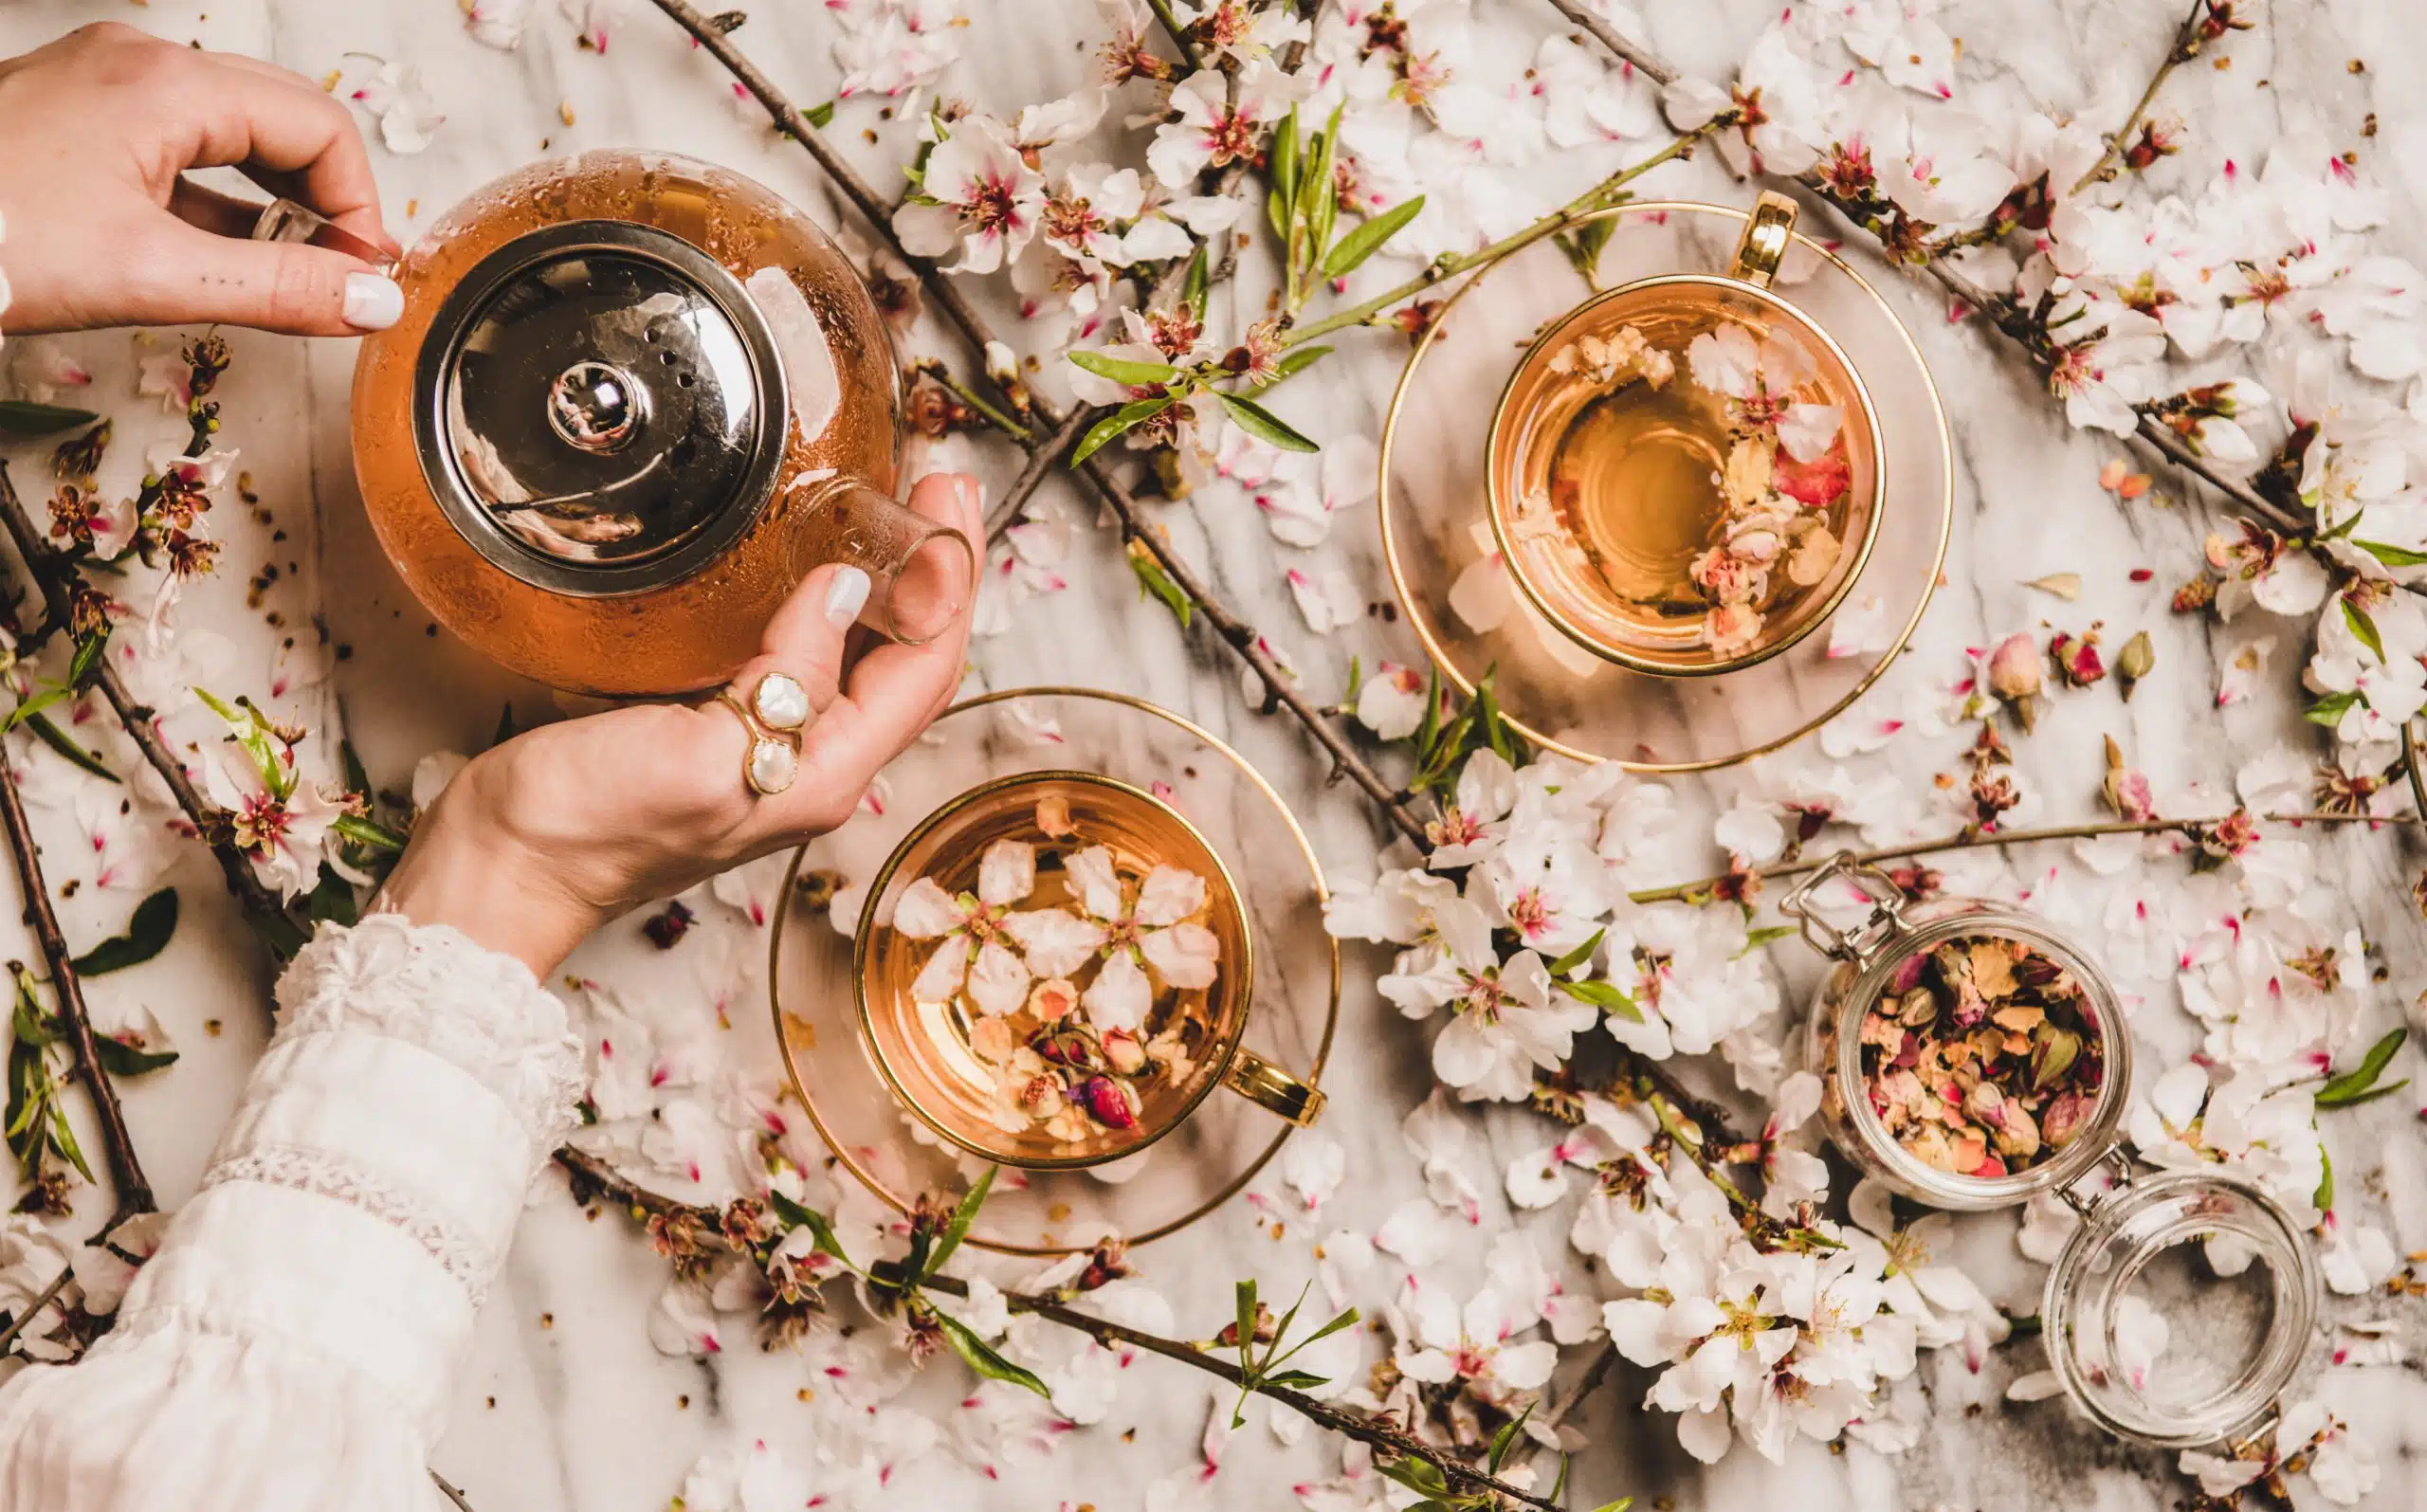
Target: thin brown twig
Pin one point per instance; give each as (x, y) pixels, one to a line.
(1595, 1371)
(2185, 47)
(1971, 840)
(41, 1300)
(1178, 33)
(595, 1179)
(449, 1490)
(51, 576)
(1280, 692)
(132, 1187)
(1658, 69)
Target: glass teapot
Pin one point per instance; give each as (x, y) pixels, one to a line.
(633, 401)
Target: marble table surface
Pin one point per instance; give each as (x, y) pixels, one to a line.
(567, 1404)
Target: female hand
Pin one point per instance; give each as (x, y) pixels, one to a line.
(544, 838)
(103, 228)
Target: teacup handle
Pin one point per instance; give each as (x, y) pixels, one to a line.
(1767, 233)
(1273, 1089)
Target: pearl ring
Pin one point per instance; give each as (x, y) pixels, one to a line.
(775, 717)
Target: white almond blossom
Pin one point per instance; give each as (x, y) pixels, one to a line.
(976, 195)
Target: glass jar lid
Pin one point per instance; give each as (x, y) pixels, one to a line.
(600, 407)
(2180, 1310)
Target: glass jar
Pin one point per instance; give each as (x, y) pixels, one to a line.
(2136, 1226)
(633, 401)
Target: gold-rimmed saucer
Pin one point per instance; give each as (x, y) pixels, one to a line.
(1436, 537)
(1221, 1146)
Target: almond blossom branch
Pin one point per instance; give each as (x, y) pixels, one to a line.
(52, 576)
(1693, 1125)
(595, 1178)
(2187, 41)
(2003, 316)
(1280, 692)
(1652, 67)
(1601, 196)
(133, 1188)
(1706, 887)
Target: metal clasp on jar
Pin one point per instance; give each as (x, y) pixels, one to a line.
(1862, 941)
(2085, 1203)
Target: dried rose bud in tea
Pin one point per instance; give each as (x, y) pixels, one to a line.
(1983, 1057)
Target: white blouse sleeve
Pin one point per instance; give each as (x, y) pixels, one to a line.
(293, 1344)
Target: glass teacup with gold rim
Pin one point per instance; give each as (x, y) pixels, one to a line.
(1685, 473)
(1053, 970)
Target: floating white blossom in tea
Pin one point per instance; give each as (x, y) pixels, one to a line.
(1059, 977)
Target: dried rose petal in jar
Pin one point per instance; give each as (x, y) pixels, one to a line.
(1983, 1057)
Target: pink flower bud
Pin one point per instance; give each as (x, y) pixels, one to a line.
(1113, 1103)
(2067, 1116)
(1123, 1052)
(2014, 668)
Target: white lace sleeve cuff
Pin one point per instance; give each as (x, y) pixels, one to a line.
(330, 1270)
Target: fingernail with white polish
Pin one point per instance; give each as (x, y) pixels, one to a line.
(844, 597)
(973, 493)
(371, 302)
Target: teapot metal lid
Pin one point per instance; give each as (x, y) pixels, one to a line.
(600, 407)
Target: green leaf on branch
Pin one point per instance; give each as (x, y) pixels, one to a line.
(1262, 424)
(1200, 285)
(1757, 939)
(1350, 251)
(2363, 628)
(1418, 1474)
(21, 417)
(1583, 247)
(981, 1356)
(820, 115)
(1122, 370)
(370, 832)
(119, 1058)
(2322, 1198)
(1261, 1372)
(2330, 710)
(251, 730)
(797, 1216)
(1607, 997)
(1294, 361)
(63, 1138)
(1505, 1439)
(962, 1217)
(2390, 556)
(1282, 198)
(1318, 196)
(331, 900)
(147, 934)
(1578, 955)
(34, 702)
(89, 656)
(1156, 583)
(56, 739)
(2359, 1084)
(1128, 417)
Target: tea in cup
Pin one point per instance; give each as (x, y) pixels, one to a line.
(1053, 970)
(1685, 472)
